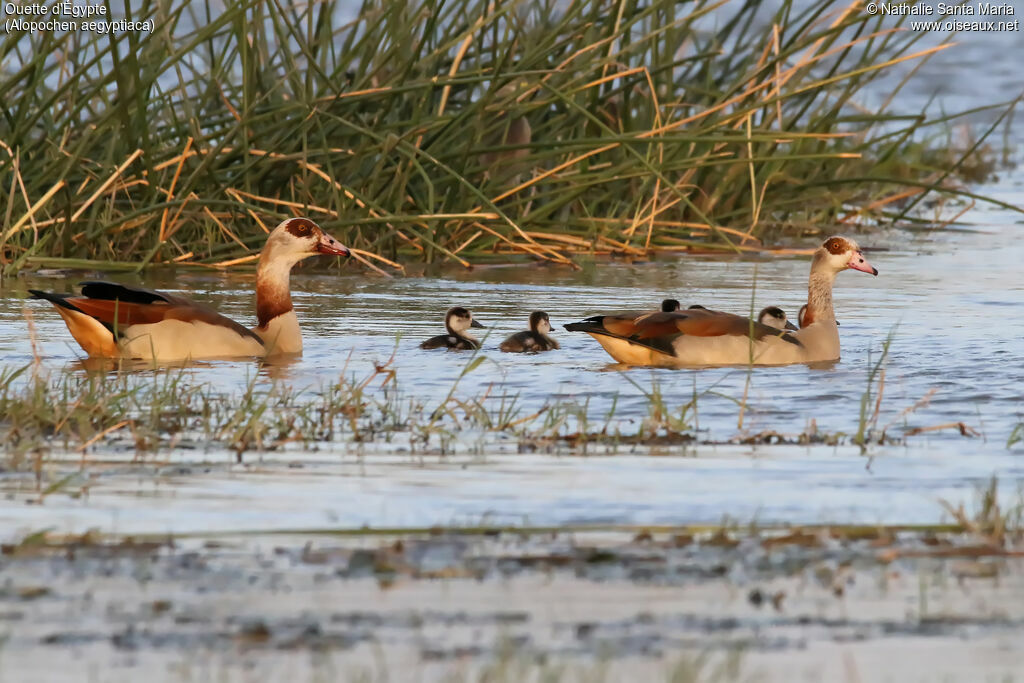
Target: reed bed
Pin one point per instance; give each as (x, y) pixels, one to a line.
(464, 131)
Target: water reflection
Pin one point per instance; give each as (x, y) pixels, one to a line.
(280, 368)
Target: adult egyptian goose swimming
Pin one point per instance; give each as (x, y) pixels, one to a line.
(703, 337)
(457, 320)
(534, 339)
(773, 316)
(117, 321)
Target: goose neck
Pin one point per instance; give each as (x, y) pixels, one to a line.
(273, 289)
(819, 296)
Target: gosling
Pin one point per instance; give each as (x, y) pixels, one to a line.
(773, 316)
(533, 340)
(457, 320)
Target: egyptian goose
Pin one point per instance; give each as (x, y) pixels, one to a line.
(534, 339)
(773, 316)
(110, 320)
(457, 320)
(703, 337)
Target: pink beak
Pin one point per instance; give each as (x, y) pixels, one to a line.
(329, 245)
(858, 262)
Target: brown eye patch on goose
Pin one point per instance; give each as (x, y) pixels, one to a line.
(837, 245)
(301, 227)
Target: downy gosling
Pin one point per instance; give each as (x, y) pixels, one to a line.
(773, 316)
(457, 320)
(533, 340)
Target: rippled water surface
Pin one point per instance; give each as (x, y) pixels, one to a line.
(278, 593)
(954, 303)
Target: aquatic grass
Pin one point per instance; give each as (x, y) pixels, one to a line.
(660, 420)
(868, 429)
(110, 408)
(465, 131)
(120, 407)
(868, 418)
(1016, 436)
(144, 412)
(995, 522)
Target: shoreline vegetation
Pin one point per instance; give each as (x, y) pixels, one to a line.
(467, 132)
(134, 408)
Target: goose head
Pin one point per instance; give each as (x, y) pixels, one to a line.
(670, 306)
(773, 316)
(540, 323)
(837, 254)
(458, 320)
(297, 238)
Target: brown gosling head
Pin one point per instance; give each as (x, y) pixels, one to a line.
(459, 319)
(540, 323)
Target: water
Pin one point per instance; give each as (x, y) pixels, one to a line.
(954, 303)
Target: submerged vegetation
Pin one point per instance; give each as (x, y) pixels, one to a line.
(458, 131)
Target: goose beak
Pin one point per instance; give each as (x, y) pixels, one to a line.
(791, 326)
(475, 324)
(329, 245)
(858, 262)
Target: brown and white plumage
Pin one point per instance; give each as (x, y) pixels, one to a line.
(533, 340)
(621, 321)
(773, 316)
(800, 317)
(703, 337)
(119, 321)
(457, 321)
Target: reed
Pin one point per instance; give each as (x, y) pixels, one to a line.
(1016, 436)
(996, 522)
(463, 131)
(875, 387)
